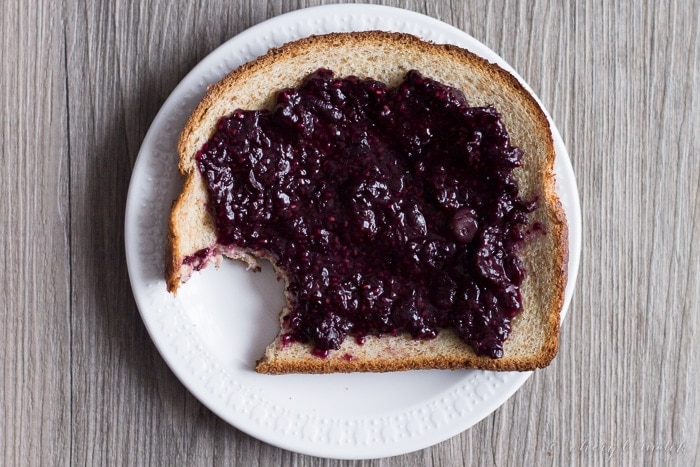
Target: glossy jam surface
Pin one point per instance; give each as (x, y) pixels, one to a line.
(390, 209)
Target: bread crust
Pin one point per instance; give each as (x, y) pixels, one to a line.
(385, 56)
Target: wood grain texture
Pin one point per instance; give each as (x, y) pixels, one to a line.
(35, 212)
(83, 384)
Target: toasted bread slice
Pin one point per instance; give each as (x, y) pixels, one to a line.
(386, 57)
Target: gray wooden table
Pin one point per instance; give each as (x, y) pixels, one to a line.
(82, 383)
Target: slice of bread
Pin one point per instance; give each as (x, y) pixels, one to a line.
(192, 239)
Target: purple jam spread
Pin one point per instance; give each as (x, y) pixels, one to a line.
(390, 209)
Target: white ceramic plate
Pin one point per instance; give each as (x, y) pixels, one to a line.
(218, 325)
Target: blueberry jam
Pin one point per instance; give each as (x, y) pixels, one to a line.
(390, 209)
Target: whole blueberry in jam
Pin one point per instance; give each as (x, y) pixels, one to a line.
(391, 210)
